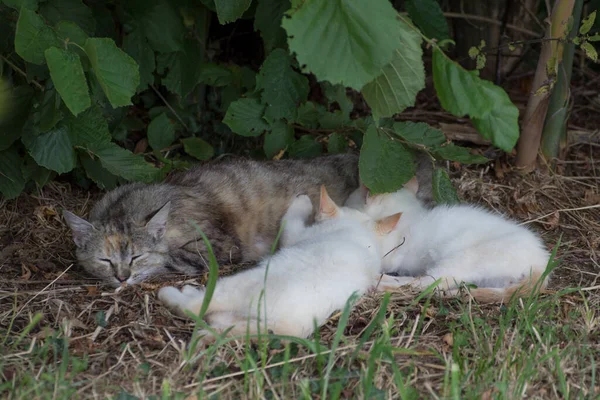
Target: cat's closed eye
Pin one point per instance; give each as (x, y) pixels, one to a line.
(106, 260)
(134, 258)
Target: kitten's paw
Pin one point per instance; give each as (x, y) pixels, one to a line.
(191, 291)
(301, 207)
(171, 297)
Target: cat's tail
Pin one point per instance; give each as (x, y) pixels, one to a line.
(523, 288)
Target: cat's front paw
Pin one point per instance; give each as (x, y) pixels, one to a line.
(301, 207)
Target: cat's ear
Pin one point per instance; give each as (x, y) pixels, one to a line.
(82, 230)
(327, 207)
(369, 197)
(157, 225)
(387, 224)
(412, 185)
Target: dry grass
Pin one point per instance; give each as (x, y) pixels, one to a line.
(61, 336)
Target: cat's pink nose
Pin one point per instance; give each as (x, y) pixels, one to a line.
(122, 277)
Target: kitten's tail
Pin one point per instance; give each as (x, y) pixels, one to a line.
(502, 295)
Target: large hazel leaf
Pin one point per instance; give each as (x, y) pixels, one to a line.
(161, 132)
(231, 10)
(33, 37)
(463, 93)
(53, 150)
(97, 173)
(198, 148)
(305, 147)
(69, 80)
(399, 81)
(267, 20)
(283, 88)
(245, 117)
(117, 72)
(184, 68)
(161, 22)
(69, 10)
(12, 182)
(123, 163)
(429, 17)
(279, 138)
(136, 45)
(501, 123)
(384, 164)
(343, 41)
(419, 133)
(443, 190)
(88, 128)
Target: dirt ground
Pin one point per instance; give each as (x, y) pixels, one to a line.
(118, 333)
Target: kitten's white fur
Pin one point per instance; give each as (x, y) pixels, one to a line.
(314, 273)
(461, 243)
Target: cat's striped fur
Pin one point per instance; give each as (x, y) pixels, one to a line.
(137, 231)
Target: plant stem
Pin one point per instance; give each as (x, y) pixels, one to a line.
(20, 71)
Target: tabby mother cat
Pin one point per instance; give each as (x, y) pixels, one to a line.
(137, 231)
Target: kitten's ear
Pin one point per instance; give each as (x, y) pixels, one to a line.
(82, 230)
(387, 224)
(327, 207)
(369, 198)
(412, 185)
(157, 225)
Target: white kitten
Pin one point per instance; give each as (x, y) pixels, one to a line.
(314, 273)
(461, 243)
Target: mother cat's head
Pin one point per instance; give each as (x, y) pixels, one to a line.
(119, 251)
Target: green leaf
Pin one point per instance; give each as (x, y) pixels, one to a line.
(198, 148)
(334, 120)
(11, 177)
(458, 89)
(136, 45)
(69, 10)
(399, 81)
(33, 37)
(463, 93)
(161, 132)
(17, 4)
(245, 117)
(124, 163)
(97, 173)
(31, 170)
(501, 123)
(184, 71)
(283, 88)
(337, 94)
(305, 147)
(337, 144)
(587, 23)
(267, 20)
(70, 31)
(589, 51)
(69, 80)
(50, 113)
(384, 165)
(308, 114)
(53, 150)
(429, 17)
(343, 41)
(161, 22)
(443, 190)
(457, 153)
(117, 73)
(215, 75)
(231, 10)
(419, 133)
(279, 138)
(88, 128)
(15, 113)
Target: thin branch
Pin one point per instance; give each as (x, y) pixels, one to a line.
(490, 21)
(19, 70)
(169, 107)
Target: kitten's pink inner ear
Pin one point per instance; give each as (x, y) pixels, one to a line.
(387, 224)
(412, 185)
(327, 207)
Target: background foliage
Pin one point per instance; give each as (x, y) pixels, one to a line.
(129, 91)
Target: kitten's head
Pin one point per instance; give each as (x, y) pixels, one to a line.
(329, 210)
(404, 200)
(119, 251)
